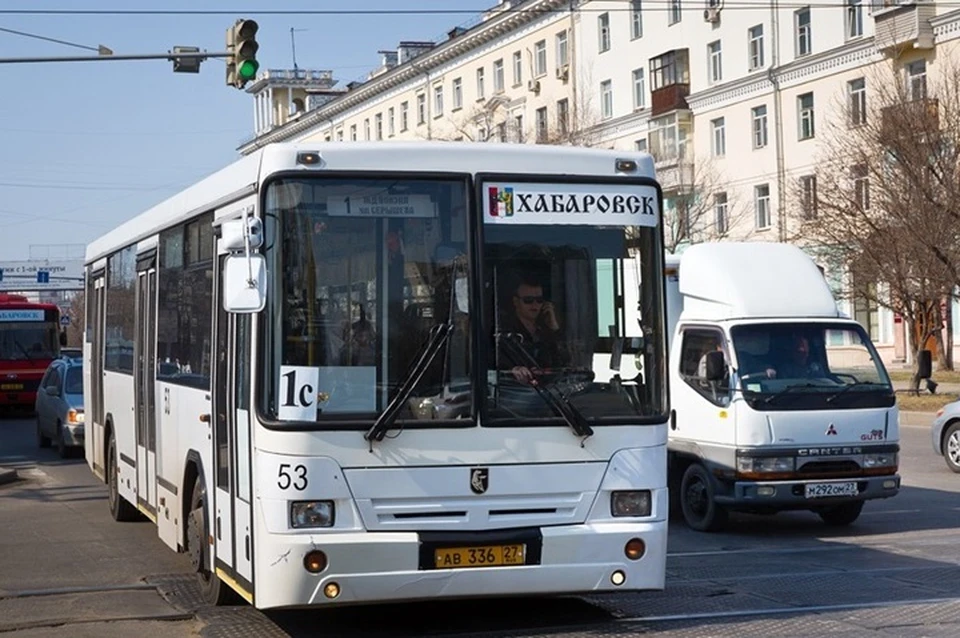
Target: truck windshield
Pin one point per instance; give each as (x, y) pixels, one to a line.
(786, 366)
(573, 304)
(362, 272)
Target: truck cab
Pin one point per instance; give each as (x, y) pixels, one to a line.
(779, 401)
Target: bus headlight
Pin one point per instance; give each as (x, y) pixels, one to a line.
(635, 503)
(311, 514)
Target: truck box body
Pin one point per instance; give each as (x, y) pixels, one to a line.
(803, 415)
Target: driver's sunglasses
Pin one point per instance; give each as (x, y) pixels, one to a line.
(529, 299)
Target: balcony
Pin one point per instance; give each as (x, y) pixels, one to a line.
(902, 25)
(669, 98)
(676, 175)
(914, 119)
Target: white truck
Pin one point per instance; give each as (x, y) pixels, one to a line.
(779, 401)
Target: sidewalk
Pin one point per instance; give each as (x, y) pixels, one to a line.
(7, 475)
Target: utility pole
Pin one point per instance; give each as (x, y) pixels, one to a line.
(293, 46)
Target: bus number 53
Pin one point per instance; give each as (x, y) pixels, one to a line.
(286, 480)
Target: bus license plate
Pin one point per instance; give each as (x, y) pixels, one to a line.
(820, 490)
(11, 386)
(489, 556)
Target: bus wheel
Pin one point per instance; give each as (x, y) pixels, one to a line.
(120, 509)
(213, 590)
(841, 515)
(700, 510)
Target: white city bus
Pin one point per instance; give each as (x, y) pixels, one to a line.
(303, 369)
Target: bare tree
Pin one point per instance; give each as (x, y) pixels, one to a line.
(884, 200)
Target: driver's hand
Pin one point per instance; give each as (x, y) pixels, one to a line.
(549, 316)
(522, 374)
(771, 373)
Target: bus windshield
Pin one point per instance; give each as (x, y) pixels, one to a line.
(28, 340)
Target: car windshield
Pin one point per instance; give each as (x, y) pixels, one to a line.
(73, 383)
(785, 366)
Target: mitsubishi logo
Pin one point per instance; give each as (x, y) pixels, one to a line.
(831, 431)
(479, 480)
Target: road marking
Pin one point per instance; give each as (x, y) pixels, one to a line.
(943, 537)
(822, 572)
(94, 589)
(779, 611)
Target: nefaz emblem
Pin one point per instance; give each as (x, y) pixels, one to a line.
(831, 431)
(479, 480)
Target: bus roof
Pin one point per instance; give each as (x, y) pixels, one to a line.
(241, 177)
(19, 302)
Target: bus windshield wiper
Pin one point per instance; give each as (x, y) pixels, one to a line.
(428, 352)
(858, 384)
(551, 395)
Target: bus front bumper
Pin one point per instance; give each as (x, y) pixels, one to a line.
(380, 567)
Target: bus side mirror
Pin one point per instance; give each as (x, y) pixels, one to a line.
(716, 366)
(924, 364)
(244, 283)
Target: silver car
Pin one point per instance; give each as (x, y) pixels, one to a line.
(946, 434)
(59, 406)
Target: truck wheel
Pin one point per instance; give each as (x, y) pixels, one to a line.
(840, 515)
(951, 447)
(700, 510)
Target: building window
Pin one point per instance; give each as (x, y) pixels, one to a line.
(854, 19)
(366, 129)
(721, 214)
(804, 34)
(563, 116)
(759, 126)
(518, 126)
(353, 132)
(378, 125)
(390, 126)
(502, 132)
(640, 145)
(603, 26)
(481, 134)
(404, 116)
(761, 198)
(857, 101)
(540, 58)
(808, 196)
(541, 122)
(805, 116)
(636, 20)
(669, 69)
(457, 93)
(861, 187)
(340, 135)
(639, 89)
(517, 68)
(499, 82)
(421, 109)
(917, 80)
(480, 87)
(755, 46)
(719, 135)
(676, 12)
(668, 137)
(438, 101)
(715, 61)
(563, 57)
(606, 99)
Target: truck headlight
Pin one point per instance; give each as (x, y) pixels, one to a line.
(765, 464)
(633, 503)
(884, 459)
(311, 514)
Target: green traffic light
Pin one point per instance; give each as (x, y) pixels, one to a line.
(248, 69)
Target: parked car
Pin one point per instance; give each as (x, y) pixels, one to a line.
(946, 435)
(71, 352)
(59, 406)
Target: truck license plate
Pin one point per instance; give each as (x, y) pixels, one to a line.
(821, 490)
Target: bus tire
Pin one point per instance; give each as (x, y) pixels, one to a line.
(700, 509)
(213, 590)
(121, 510)
(841, 515)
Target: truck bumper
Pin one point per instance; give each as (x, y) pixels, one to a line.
(798, 494)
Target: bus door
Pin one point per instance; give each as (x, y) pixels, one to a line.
(145, 382)
(233, 523)
(95, 332)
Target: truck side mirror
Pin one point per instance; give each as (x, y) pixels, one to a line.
(716, 366)
(924, 364)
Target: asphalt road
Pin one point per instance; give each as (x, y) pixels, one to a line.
(67, 569)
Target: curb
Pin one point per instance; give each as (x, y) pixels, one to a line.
(7, 476)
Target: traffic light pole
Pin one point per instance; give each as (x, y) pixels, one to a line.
(103, 58)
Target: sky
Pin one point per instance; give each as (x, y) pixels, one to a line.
(85, 146)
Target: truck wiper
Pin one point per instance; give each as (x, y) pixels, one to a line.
(551, 395)
(427, 353)
(789, 389)
(858, 384)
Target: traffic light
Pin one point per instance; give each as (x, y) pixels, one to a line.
(242, 45)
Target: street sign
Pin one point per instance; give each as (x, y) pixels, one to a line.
(41, 274)
(65, 320)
